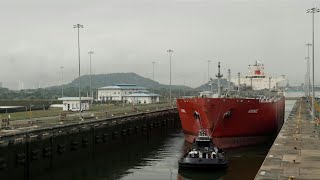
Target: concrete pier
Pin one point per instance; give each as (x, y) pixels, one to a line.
(295, 153)
(31, 153)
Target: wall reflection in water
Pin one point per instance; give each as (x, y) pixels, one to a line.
(151, 157)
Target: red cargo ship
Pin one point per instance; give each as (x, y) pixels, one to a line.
(234, 121)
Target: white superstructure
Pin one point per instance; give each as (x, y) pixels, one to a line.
(129, 93)
(257, 79)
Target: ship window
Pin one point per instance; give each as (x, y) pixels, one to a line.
(203, 143)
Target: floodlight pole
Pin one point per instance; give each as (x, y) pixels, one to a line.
(313, 10)
(170, 51)
(78, 26)
(91, 93)
(308, 68)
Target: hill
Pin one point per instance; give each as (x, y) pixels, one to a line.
(101, 80)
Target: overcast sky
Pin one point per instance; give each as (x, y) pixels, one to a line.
(37, 37)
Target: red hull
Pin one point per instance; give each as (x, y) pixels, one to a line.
(232, 122)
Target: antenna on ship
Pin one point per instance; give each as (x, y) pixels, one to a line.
(219, 76)
(229, 80)
(238, 82)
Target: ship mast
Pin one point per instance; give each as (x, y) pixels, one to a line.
(219, 76)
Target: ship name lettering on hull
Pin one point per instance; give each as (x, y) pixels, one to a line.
(253, 111)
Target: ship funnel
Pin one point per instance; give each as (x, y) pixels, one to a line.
(219, 76)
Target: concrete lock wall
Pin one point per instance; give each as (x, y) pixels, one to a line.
(36, 153)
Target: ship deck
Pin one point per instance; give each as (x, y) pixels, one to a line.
(295, 153)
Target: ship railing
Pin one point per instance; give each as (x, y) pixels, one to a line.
(267, 100)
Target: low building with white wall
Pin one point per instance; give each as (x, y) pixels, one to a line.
(128, 93)
(72, 103)
(142, 98)
(117, 92)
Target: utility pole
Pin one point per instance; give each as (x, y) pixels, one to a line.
(91, 93)
(170, 51)
(61, 81)
(219, 76)
(78, 26)
(313, 10)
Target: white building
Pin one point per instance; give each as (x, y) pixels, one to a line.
(130, 93)
(142, 98)
(72, 103)
(117, 92)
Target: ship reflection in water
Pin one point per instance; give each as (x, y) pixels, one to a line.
(156, 157)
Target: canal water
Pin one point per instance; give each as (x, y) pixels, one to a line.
(156, 158)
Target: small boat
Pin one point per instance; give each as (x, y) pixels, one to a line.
(203, 155)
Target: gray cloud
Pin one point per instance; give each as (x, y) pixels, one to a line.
(37, 38)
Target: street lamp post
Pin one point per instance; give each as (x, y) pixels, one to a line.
(313, 10)
(61, 81)
(170, 51)
(91, 93)
(78, 26)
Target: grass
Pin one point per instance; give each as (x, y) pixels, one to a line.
(98, 111)
(32, 114)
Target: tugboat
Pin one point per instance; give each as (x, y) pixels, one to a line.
(203, 154)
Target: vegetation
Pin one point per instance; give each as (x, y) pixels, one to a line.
(100, 80)
(99, 110)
